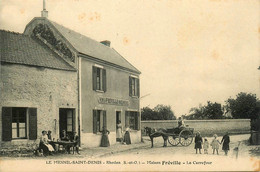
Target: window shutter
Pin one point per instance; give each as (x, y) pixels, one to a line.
(73, 120)
(138, 121)
(105, 119)
(130, 86)
(94, 77)
(104, 79)
(7, 123)
(32, 123)
(95, 121)
(126, 118)
(138, 87)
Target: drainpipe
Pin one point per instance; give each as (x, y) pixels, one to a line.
(79, 99)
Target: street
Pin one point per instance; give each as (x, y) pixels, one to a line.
(185, 158)
(141, 156)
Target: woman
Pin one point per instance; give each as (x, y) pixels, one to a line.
(119, 135)
(198, 142)
(104, 139)
(127, 138)
(225, 140)
(44, 141)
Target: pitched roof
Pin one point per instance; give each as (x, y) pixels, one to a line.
(93, 48)
(21, 49)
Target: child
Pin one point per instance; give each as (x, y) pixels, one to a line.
(206, 146)
(198, 142)
(215, 144)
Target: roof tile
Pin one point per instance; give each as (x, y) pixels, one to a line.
(22, 49)
(90, 47)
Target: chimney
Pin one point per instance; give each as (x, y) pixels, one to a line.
(106, 43)
(44, 11)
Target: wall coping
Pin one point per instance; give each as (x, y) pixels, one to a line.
(212, 120)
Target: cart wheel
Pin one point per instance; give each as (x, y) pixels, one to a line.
(185, 137)
(174, 141)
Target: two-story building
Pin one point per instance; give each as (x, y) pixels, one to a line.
(104, 89)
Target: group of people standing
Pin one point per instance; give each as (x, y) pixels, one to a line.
(124, 139)
(215, 143)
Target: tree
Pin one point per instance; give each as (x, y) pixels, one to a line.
(243, 106)
(148, 114)
(164, 112)
(209, 111)
(213, 111)
(160, 112)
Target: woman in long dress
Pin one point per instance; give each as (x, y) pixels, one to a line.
(225, 140)
(104, 139)
(119, 134)
(127, 138)
(45, 142)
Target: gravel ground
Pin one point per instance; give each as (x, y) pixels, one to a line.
(141, 157)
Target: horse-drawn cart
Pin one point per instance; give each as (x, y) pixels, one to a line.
(175, 136)
(183, 136)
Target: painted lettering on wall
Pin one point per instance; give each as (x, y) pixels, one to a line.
(111, 101)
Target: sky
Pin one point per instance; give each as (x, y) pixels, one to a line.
(189, 51)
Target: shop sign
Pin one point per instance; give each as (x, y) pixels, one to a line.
(111, 101)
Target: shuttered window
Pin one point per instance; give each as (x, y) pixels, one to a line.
(132, 120)
(6, 123)
(134, 86)
(99, 120)
(14, 123)
(32, 123)
(99, 79)
(19, 123)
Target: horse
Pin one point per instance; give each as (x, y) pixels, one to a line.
(157, 133)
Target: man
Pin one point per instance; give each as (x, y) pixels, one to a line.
(180, 123)
(76, 140)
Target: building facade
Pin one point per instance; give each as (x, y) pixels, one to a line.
(100, 88)
(37, 88)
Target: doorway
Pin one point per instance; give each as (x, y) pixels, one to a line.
(118, 131)
(67, 121)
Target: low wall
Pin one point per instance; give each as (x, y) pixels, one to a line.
(206, 127)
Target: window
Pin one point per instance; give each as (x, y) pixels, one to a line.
(132, 120)
(99, 120)
(69, 121)
(134, 86)
(99, 79)
(19, 123)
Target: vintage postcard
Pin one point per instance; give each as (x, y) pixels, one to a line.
(117, 85)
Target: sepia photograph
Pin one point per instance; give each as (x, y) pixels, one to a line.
(119, 85)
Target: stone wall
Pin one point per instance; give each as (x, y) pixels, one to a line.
(206, 127)
(42, 88)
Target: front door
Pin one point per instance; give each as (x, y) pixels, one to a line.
(118, 119)
(67, 121)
